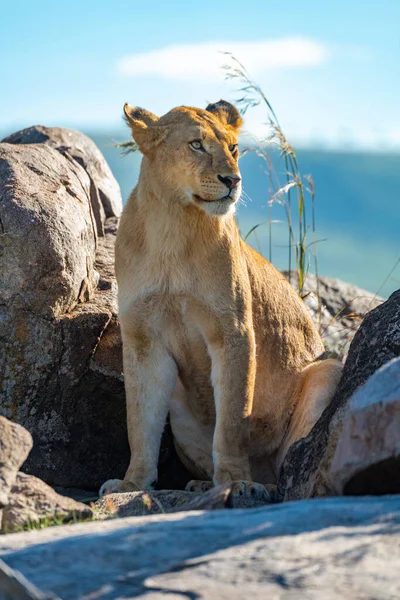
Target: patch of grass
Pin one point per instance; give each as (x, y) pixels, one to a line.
(55, 520)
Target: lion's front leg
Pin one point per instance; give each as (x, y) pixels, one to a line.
(233, 377)
(150, 378)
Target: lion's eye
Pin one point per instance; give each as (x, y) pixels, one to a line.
(196, 145)
(232, 147)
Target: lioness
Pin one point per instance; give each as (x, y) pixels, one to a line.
(211, 331)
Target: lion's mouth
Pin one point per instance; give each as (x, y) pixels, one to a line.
(200, 199)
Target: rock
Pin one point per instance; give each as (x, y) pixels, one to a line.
(15, 445)
(216, 498)
(31, 501)
(334, 548)
(306, 468)
(105, 194)
(367, 457)
(47, 238)
(14, 586)
(74, 404)
(227, 496)
(48, 336)
(339, 312)
(131, 504)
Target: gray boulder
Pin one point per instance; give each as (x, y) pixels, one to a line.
(47, 238)
(32, 502)
(305, 472)
(75, 406)
(336, 549)
(105, 194)
(15, 444)
(367, 457)
(49, 330)
(337, 309)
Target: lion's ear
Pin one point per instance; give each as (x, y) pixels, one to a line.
(136, 116)
(226, 113)
(145, 127)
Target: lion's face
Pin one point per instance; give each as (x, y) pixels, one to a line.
(193, 154)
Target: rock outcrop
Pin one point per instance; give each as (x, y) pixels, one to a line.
(26, 501)
(47, 241)
(367, 457)
(334, 548)
(306, 469)
(15, 445)
(57, 300)
(32, 502)
(337, 309)
(105, 195)
(131, 504)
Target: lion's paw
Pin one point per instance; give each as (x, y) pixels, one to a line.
(111, 486)
(250, 492)
(196, 485)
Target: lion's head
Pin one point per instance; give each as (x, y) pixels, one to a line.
(192, 154)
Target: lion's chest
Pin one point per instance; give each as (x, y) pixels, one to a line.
(169, 302)
(171, 319)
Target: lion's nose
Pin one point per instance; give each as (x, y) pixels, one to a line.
(230, 181)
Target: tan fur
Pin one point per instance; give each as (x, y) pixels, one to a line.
(212, 332)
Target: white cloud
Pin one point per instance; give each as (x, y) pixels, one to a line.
(203, 62)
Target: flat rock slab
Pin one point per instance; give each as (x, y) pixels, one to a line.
(14, 586)
(333, 548)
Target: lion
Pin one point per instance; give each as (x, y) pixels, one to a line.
(212, 332)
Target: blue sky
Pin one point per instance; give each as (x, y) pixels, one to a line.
(330, 69)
